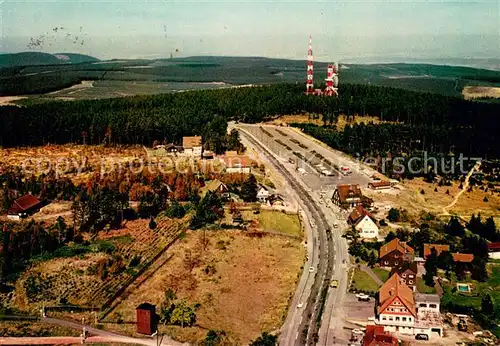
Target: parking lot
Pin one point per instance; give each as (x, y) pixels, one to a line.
(358, 311)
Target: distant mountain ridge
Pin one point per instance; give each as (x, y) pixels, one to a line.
(38, 58)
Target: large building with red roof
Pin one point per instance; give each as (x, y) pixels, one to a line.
(377, 336)
(395, 253)
(23, 206)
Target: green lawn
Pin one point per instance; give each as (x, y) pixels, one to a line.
(423, 288)
(382, 273)
(362, 282)
(277, 221)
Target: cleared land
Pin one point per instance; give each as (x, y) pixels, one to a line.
(34, 329)
(472, 92)
(381, 273)
(342, 120)
(93, 279)
(409, 196)
(245, 291)
(362, 282)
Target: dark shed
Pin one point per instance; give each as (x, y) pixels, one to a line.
(146, 318)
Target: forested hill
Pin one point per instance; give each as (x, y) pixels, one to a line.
(450, 124)
(22, 80)
(38, 58)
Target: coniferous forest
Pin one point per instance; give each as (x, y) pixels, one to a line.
(422, 121)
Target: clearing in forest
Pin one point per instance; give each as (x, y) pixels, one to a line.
(242, 283)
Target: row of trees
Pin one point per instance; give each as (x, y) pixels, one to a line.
(144, 119)
(432, 150)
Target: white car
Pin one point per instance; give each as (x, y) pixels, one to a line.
(300, 305)
(311, 269)
(363, 297)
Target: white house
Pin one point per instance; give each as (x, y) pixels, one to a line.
(363, 222)
(192, 145)
(262, 195)
(237, 164)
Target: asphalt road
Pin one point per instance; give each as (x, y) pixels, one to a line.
(316, 316)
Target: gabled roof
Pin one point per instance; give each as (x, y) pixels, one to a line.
(358, 213)
(404, 267)
(238, 161)
(380, 183)
(394, 245)
(396, 288)
(495, 246)
(215, 185)
(348, 191)
(23, 204)
(191, 141)
(462, 257)
(439, 248)
(376, 336)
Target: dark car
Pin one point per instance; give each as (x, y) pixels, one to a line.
(422, 337)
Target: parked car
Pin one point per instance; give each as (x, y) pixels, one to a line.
(311, 269)
(363, 297)
(422, 337)
(334, 284)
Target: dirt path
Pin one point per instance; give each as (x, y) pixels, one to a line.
(465, 186)
(9, 100)
(57, 340)
(114, 336)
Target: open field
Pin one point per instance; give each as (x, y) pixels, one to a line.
(342, 120)
(93, 278)
(78, 162)
(35, 329)
(9, 100)
(276, 221)
(246, 290)
(381, 273)
(131, 77)
(363, 282)
(472, 92)
(408, 196)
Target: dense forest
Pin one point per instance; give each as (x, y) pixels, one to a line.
(431, 122)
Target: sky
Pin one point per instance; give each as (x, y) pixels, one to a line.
(341, 30)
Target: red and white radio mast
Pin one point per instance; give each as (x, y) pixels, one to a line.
(310, 67)
(332, 80)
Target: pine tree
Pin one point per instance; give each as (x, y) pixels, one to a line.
(487, 305)
(490, 231)
(431, 268)
(249, 189)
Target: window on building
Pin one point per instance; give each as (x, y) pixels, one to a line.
(404, 275)
(411, 276)
(390, 318)
(433, 306)
(410, 282)
(396, 263)
(422, 305)
(409, 319)
(383, 318)
(404, 319)
(397, 318)
(386, 262)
